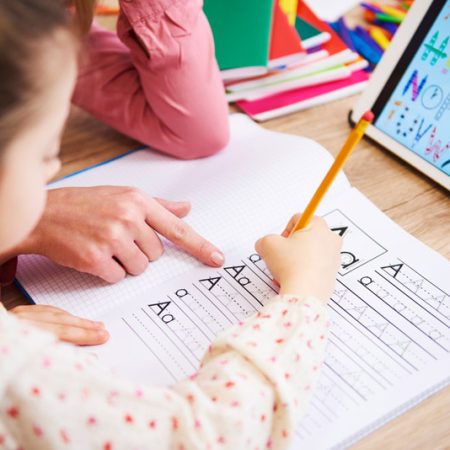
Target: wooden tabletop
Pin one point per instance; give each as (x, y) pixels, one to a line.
(417, 204)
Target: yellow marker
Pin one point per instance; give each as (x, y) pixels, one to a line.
(289, 7)
(393, 11)
(379, 37)
(352, 141)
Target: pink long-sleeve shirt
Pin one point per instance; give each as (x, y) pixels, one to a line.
(157, 79)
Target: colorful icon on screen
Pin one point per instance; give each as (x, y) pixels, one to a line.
(437, 51)
(436, 147)
(415, 127)
(446, 68)
(445, 106)
(432, 97)
(415, 86)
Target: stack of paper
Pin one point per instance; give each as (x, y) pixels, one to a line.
(277, 56)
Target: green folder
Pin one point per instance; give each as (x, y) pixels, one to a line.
(241, 30)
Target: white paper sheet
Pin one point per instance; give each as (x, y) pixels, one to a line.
(388, 346)
(252, 186)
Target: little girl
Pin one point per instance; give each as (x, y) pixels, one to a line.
(255, 380)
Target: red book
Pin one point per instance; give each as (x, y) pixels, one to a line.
(297, 99)
(285, 46)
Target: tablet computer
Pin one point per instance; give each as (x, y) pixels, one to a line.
(409, 92)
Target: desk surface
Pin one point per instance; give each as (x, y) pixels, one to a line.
(417, 204)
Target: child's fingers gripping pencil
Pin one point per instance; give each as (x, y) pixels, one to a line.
(355, 136)
(302, 221)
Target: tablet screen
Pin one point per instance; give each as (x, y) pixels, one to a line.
(414, 107)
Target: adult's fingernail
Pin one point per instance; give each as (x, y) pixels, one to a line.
(99, 324)
(103, 334)
(217, 258)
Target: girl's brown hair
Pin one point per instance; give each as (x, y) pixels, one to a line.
(25, 27)
(84, 12)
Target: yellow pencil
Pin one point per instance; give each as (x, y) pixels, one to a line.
(352, 141)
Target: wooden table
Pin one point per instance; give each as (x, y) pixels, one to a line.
(417, 204)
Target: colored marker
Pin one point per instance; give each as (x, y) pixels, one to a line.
(365, 50)
(406, 5)
(379, 37)
(369, 15)
(385, 32)
(387, 18)
(352, 141)
(373, 8)
(365, 36)
(390, 27)
(394, 12)
(344, 33)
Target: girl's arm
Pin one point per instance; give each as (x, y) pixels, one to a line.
(157, 80)
(252, 386)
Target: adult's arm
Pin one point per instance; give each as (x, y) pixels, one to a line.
(157, 79)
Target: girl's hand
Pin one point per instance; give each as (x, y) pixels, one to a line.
(67, 327)
(305, 263)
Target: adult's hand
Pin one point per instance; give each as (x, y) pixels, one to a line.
(109, 231)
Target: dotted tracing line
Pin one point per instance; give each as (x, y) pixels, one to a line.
(328, 390)
(230, 297)
(263, 269)
(263, 292)
(344, 372)
(446, 297)
(367, 353)
(206, 311)
(158, 341)
(187, 332)
(385, 331)
(397, 300)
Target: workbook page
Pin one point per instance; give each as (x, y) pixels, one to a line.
(242, 193)
(388, 345)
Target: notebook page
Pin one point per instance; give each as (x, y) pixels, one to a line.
(389, 343)
(248, 189)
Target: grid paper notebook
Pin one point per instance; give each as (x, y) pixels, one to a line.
(389, 342)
